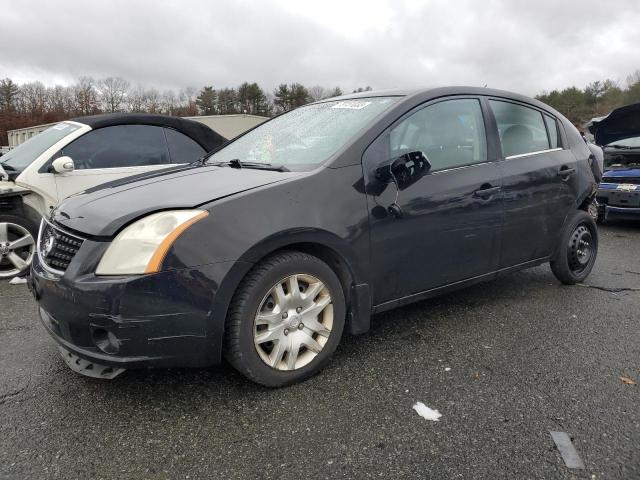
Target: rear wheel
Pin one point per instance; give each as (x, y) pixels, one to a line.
(578, 249)
(17, 245)
(286, 319)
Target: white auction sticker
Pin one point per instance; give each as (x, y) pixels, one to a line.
(627, 187)
(351, 104)
(60, 126)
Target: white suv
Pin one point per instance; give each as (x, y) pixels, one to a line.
(79, 154)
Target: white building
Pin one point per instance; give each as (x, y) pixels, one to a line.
(230, 126)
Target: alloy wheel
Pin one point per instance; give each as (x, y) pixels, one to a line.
(293, 322)
(17, 248)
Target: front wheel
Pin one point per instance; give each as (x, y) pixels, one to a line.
(17, 245)
(578, 249)
(286, 319)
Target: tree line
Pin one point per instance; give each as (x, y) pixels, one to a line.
(596, 99)
(34, 103)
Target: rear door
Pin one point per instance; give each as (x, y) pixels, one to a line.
(111, 153)
(451, 215)
(537, 176)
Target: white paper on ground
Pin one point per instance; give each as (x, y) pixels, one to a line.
(426, 412)
(17, 281)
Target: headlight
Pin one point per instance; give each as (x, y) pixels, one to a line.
(142, 246)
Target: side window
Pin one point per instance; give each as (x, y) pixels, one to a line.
(182, 148)
(450, 133)
(522, 129)
(552, 128)
(119, 146)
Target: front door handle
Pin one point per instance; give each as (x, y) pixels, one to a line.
(486, 191)
(566, 172)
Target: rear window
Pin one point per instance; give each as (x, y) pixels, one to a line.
(552, 128)
(522, 129)
(182, 148)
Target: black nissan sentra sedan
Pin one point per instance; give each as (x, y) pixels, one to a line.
(271, 248)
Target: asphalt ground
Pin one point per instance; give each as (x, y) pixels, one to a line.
(504, 362)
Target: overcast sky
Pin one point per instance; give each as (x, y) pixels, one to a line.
(526, 46)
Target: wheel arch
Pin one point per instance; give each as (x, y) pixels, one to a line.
(15, 205)
(326, 246)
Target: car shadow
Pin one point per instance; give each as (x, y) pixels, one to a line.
(175, 389)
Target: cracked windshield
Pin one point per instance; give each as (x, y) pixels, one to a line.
(302, 139)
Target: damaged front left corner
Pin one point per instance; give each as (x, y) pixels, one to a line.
(87, 368)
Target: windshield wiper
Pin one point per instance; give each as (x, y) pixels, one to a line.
(236, 163)
(200, 161)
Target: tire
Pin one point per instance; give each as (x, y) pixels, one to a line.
(578, 249)
(264, 320)
(13, 228)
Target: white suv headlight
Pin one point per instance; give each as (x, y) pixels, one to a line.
(142, 246)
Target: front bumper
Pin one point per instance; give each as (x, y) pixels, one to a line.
(619, 201)
(621, 213)
(166, 319)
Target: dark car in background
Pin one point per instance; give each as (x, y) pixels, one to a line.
(619, 135)
(307, 225)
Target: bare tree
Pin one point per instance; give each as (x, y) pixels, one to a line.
(317, 93)
(33, 99)
(633, 79)
(86, 96)
(188, 101)
(169, 102)
(57, 100)
(152, 100)
(136, 99)
(69, 99)
(113, 93)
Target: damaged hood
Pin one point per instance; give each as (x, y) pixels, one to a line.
(8, 188)
(4, 176)
(621, 123)
(104, 210)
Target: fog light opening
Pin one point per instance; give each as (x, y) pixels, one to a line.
(106, 341)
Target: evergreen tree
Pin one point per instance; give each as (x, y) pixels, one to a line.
(281, 100)
(206, 101)
(8, 95)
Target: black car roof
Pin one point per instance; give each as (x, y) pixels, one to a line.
(434, 92)
(205, 136)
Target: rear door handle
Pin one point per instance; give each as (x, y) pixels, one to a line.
(566, 172)
(486, 191)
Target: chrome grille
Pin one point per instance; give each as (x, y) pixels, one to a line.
(56, 248)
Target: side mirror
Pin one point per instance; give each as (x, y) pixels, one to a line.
(63, 165)
(404, 170)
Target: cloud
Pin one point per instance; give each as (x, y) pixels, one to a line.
(518, 45)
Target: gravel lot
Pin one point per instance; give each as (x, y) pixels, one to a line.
(504, 362)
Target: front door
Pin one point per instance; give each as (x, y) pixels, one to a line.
(444, 223)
